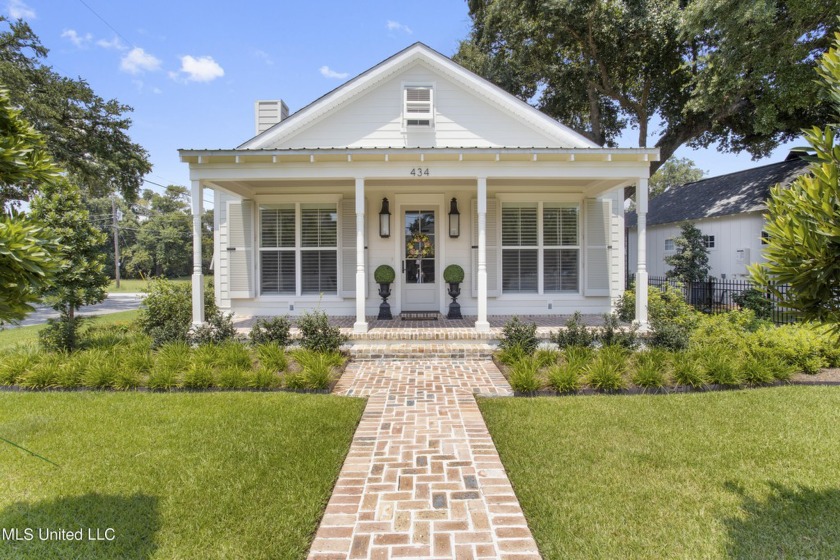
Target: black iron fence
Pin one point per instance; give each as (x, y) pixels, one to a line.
(717, 296)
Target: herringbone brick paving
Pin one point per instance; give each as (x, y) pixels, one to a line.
(423, 478)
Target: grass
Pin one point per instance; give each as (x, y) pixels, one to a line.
(26, 335)
(138, 285)
(218, 475)
(747, 474)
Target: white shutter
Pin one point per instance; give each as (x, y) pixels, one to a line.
(348, 248)
(240, 248)
(491, 239)
(597, 219)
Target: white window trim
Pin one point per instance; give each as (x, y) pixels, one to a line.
(432, 86)
(297, 201)
(572, 202)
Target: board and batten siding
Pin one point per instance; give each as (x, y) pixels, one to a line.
(462, 119)
(740, 231)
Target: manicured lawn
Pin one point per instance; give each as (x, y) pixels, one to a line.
(212, 475)
(25, 335)
(138, 285)
(742, 474)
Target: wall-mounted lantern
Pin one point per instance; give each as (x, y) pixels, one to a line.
(385, 219)
(454, 219)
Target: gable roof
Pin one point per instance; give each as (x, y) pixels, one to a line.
(724, 195)
(564, 136)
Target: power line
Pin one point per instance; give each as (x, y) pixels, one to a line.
(111, 27)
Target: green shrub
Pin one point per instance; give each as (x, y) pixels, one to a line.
(575, 333)
(669, 335)
(611, 333)
(217, 329)
(606, 371)
(688, 371)
(198, 376)
(726, 330)
(671, 318)
(801, 345)
(61, 334)
(720, 366)
(757, 371)
(515, 333)
(166, 313)
(384, 274)
(650, 369)
(318, 335)
(453, 274)
(523, 376)
(271, 330)
(754, 300)
(273, 357)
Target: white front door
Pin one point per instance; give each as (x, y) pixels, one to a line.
(419, 260)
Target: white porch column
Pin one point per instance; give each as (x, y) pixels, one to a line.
(481, 324)
(197, 277)
(360, 325)
(641, 251)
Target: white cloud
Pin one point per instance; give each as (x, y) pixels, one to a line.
(79, 40)
(157, 90)
(397, 26)
(137, 61)
(201, 69)
(18, 10)
(264, 56)
(329, 73)
(114, 43)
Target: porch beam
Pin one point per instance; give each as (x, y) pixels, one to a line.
(197, 276)
(641, 251)
(360, 326)
(481, 324)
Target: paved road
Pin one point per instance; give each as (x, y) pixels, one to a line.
(114, 304)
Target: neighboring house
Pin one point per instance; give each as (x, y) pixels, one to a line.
(727, 209)
(300, 219)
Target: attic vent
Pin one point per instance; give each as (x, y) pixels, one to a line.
(418, 106)
(269, 113)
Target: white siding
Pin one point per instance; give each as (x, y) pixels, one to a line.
(742, 231)
(462, 119)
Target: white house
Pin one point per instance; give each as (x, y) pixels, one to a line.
(727, 209)
(300, 219)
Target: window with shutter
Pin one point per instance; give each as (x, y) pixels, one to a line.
(520, 249)
(316, 250)
(597, 239)
(561, 248)
(418, 106)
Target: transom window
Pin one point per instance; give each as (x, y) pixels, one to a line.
(418, 106)
(299, 237)
(540, 248)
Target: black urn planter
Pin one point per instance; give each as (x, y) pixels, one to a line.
(454, 307)
(385, 307)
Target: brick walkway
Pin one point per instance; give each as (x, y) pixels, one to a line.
(423, 479)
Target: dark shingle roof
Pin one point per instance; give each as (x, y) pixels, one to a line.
(734, 193)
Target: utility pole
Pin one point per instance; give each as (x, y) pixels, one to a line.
(116, 242)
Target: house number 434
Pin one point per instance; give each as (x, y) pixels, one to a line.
(419, 172)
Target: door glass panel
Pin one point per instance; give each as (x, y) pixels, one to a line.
(419, 250)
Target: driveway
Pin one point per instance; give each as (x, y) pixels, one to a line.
(113, 304)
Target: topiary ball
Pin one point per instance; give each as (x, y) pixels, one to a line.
(384, 274)
(453, 274)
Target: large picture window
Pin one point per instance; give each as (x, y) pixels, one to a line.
(314, 252)
(540, 248)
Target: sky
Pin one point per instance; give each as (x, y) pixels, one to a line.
(192, 70)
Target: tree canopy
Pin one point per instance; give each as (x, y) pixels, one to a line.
(673, 174)
(803, 222)
(691, 261)
(689, 72)
(85, 134)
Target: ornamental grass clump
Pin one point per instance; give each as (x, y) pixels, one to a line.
(687, 370)
(198, 376)
(272, 356)
(762, 366)
(45, 374)
(566, 377)
(262, 378)
(606, 371)
(15, 364)
(101, 370)
(233, 354)
(650, 368)
(231, 378)
(317, 369)
(546, 357)
(721, 367)
(524, 375)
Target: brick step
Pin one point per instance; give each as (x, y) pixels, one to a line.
(414, 349)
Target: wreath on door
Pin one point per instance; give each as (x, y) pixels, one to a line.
(419, 247)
